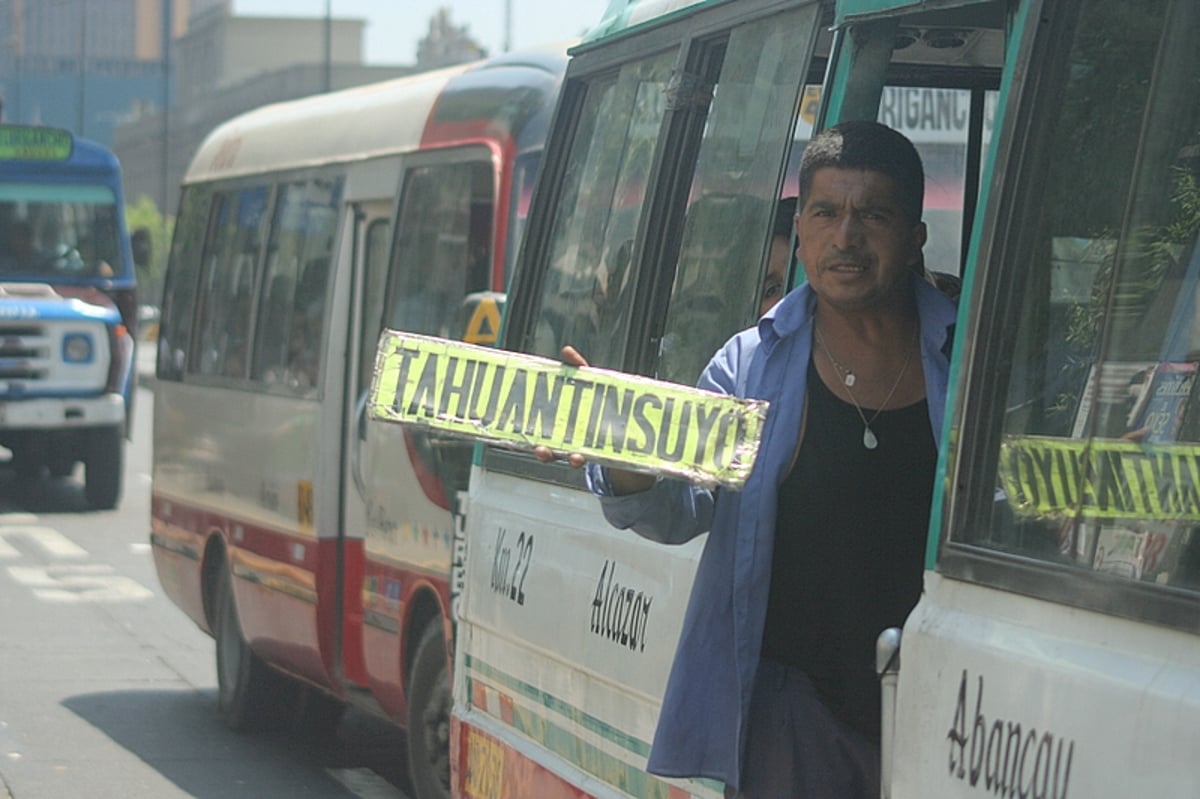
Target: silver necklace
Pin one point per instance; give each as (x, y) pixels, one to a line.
(869, 440)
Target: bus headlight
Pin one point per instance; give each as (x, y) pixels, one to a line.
(77, 348)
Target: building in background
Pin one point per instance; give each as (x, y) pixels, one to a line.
(446, 44)
(225, 65)
(106, 70)
(81, 64)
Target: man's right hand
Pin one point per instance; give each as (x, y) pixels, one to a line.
(621, 481)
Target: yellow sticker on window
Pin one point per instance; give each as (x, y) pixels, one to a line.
(524, 401)
(1100, 478)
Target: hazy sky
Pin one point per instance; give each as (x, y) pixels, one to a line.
(394, 26)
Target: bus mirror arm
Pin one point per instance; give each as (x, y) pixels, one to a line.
(887, 666)
(360, 425)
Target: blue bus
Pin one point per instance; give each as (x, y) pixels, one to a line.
(68, 309)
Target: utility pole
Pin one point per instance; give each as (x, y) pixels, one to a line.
(18, 42)
(508, 14)
(81, 124)
(168, 25)
(328, 45)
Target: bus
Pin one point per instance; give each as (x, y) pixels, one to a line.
(68, 310)
(1055, 650)
(312, 543)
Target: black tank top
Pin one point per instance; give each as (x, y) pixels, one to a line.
(849, 547)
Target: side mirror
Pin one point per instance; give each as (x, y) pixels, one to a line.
(139, 242)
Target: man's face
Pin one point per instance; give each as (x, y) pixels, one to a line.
(857, 244)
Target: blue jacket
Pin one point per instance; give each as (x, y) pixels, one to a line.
(704, 715)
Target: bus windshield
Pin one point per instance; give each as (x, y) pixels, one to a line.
(58, 231)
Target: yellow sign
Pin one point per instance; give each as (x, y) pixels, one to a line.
(523, 401)
(1101, 478)
(484, 325)
(34, 143)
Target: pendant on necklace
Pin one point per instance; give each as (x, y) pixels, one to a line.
(848, 379)
(869, 440)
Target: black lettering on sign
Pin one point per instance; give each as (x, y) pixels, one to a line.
(1012, 761)
(506, 581)
(620, 613)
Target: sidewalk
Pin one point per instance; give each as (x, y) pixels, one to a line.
(145, 362)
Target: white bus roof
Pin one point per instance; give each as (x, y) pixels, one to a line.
(347, 125)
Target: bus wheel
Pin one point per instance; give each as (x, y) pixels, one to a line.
(249, 694)
(429, 717)
(104, 463)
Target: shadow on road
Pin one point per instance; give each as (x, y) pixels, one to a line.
(181, 736)
(42, 495)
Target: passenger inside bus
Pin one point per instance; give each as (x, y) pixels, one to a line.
(19, 253)
(779, 260)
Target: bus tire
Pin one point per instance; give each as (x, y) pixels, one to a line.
(104, 464)
(250, 695)
(429, 716)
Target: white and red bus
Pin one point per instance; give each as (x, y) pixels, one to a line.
(314, 544)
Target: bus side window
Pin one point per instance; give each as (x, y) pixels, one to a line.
(583, 298)
(180, 291)
(443, 246)
(717, 287)
(299, 251)
(377, 239)
(229, 284)
(1103, 406)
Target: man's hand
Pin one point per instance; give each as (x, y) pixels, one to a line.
(571, 357)
(622, 481)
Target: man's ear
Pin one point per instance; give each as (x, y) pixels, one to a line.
(920, 234)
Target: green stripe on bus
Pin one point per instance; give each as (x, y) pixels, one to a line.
(588, 722)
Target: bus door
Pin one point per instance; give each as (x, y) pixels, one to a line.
(407, 483)
(370, 226)
(1055, 651)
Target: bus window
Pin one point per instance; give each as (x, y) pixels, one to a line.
(732, 203)
(67, 230)
(231, 256)
(296, 278)
(585, 296)
(376, 259)
(1092, 465)
(179, 289)
(443, 250)
(525, 170)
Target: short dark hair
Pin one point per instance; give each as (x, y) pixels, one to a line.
(862, 144)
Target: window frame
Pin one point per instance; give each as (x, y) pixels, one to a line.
(471, 153)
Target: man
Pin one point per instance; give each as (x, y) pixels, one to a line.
(772, 690)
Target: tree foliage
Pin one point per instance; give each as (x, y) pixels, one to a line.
(144, 214)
